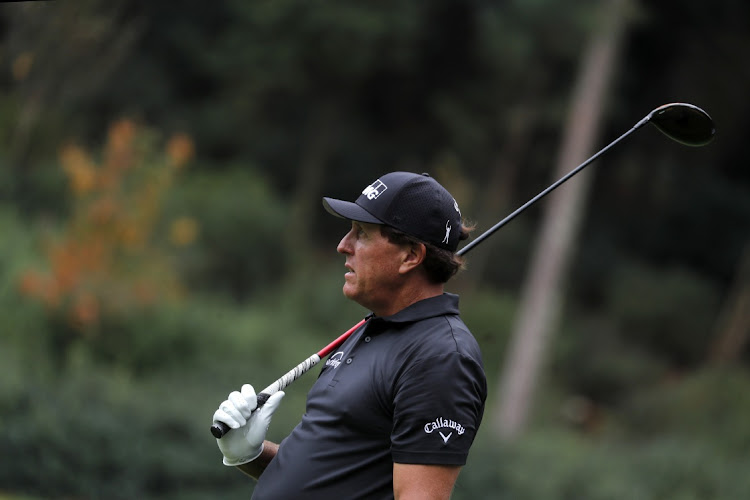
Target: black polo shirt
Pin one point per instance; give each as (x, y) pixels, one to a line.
(408, 388)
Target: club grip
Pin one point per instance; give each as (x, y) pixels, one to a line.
(218, 429)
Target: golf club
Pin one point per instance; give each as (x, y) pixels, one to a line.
(681, 122)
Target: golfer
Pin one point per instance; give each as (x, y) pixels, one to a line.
(394, 412)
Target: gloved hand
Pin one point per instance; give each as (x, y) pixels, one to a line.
(244, 442)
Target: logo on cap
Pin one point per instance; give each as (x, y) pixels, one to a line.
(374, 190)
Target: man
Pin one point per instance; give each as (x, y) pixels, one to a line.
(394, 411)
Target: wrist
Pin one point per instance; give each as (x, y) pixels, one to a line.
(233, 462)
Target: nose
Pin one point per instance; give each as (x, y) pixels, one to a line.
(345, 245)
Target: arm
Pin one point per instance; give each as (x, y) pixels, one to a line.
(424, 482)
(256, 467)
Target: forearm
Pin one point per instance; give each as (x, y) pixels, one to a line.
(257, 466)
(424, 482)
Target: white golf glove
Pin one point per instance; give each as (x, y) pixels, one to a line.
(244, 442)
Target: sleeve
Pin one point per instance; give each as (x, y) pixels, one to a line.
(438, 406)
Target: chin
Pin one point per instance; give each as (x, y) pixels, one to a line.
(348, 292)
(352, 294)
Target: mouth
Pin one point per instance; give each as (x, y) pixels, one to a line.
(349, 271)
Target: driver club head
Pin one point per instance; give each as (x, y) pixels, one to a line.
(684, 123)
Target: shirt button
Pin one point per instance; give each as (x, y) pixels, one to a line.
(367, 339)
(349, 361)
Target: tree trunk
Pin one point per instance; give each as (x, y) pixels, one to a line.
(541, 299)
(733, 327)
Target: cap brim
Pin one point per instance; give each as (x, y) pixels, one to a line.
(349, 210)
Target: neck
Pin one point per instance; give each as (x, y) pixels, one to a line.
(405, 297)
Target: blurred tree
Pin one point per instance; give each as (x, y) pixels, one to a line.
(541, 301)
(109, 259)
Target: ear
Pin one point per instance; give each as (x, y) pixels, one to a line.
(413, 256)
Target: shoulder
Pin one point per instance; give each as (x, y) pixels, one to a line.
(441, 344)
(446, 334)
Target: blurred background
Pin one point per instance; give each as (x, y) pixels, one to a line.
(163, 241)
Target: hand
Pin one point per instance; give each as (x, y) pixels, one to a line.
(244, 442)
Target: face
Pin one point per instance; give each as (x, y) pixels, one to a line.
(373, 265)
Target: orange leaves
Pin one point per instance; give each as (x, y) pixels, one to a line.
(180, 150)
(120, 138)
(120, 153)
(109, 258)
(80, 170)
(72, 261)
(34, 284)
(183, 231)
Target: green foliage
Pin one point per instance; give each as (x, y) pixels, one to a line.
(710, 405)
(592, 358)
(95, 434)
(241, 220)
(314, 45)
(23, 322)
(489, 315)
(670, 312)
(563, 466)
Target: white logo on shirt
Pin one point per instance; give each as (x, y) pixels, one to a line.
(335, 360)
(444, 423)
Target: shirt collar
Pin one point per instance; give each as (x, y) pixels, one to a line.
(440, 305)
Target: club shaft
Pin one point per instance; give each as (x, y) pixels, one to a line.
(333, 345)
(552, 187)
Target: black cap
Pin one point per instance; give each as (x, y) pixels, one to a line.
(415, 204)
